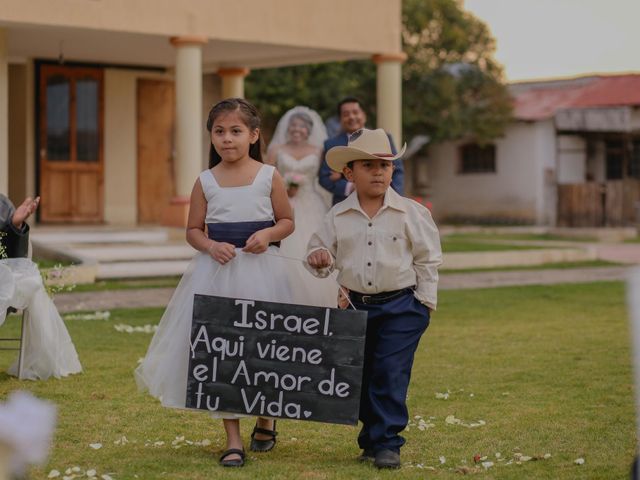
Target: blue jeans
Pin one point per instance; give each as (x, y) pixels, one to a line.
(393, 332)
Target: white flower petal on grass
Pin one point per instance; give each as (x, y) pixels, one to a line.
(96, 446)
(579, 461)
(547, 456)
(442, 459)
(67, 471)
(76, 469)
(206, 442)
(91, 473)
(106, 477)
(53, 474)
(487, 465)
(525, 458)
(158, 444)
(452, 420)
(121, 327)
(442, 396)
(104, 315)
(498, 455)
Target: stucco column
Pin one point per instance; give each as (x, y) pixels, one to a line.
(189, 124)
(233, 81)
(4, 114)
(389, 93)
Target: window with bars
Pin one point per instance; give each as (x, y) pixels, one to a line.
(477, 159)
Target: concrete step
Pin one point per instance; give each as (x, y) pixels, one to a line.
(51, 237)
(135, 253)
(141, 269)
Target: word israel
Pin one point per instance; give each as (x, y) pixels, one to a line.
(291, 323)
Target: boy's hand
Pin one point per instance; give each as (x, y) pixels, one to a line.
(319, 259)
(258, 242)
(222, 252)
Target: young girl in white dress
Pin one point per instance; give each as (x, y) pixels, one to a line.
(244, 205)
(296, 151)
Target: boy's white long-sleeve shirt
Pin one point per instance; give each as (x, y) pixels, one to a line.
(399, 247)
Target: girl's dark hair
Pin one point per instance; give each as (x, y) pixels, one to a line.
(250, 117)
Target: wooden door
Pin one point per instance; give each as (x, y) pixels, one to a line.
(155, 125)
(71, 144)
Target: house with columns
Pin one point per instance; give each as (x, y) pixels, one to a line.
(103, 102)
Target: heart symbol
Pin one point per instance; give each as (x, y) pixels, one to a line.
(307, 413)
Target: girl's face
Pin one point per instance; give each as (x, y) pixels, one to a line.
(297, 131)
(231, 137)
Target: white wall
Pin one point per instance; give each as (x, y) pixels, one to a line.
(515, 191)
(572, 155)
(120, 144)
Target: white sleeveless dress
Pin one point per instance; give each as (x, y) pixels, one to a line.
(309, 209)
(163, 371)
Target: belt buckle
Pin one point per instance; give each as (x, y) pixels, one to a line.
(364, 299)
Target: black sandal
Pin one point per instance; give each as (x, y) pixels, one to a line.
(235, 462)
(263, 445)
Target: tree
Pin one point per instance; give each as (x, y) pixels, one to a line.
(319, 86)
(452, 86)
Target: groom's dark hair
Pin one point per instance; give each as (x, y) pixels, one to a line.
(348, 100)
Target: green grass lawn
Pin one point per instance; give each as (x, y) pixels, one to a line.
(546, 368)
(544, 266)
(543, 237)
(465, 243)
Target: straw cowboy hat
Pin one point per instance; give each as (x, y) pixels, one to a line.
(364, 144)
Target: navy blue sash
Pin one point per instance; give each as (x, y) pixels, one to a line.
(237, 233)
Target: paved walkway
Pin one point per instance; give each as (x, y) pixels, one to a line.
(159, 297)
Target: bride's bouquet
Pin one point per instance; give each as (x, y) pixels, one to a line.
(293, 179)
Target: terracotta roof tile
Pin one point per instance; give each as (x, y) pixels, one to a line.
(540, 100)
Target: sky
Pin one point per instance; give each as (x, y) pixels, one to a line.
(538, 39)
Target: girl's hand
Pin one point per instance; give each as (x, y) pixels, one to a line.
(222, 252)
(291, 191)
(343, 297)
(258, 242)
(319, 259)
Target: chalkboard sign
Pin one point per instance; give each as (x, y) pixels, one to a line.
(276, 359)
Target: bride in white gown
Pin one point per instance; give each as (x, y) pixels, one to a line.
(296, 151)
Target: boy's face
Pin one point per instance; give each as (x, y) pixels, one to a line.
(371, 177)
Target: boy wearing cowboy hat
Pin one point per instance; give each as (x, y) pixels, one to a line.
(387, 250)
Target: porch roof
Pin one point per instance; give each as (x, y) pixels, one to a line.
(245, 33)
